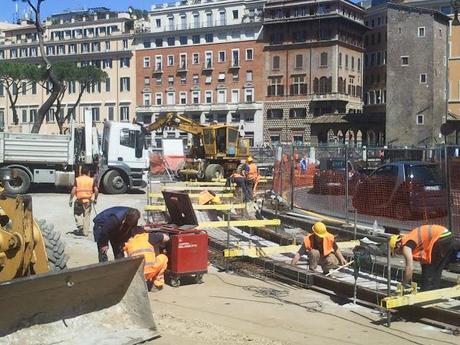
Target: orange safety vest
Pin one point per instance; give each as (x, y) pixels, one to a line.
(139, 245)
(252, 173)
(424, 237)
(236, 175)
(85, 186)
(328, 243)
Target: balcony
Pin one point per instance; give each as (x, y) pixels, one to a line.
(158, 69)
(208, 66)
(235, 65)
(193, 25)
(332, 96)
(182, 68)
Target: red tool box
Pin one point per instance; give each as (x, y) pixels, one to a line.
(188, 247)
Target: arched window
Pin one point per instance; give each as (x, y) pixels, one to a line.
(323, 85)
(330, 136)
(329, 85)
(371, 138)
(340, 85)
(316, 85)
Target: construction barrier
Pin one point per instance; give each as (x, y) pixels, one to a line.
(159, 163)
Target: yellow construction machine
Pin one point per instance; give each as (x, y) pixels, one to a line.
(43, 302)
(215, 150)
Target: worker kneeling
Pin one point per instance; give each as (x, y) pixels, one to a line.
(146, 244)
(432, 245)
(321, 249)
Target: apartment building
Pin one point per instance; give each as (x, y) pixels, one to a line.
(405, 72)
(313, 69)
(98, 37)
(203, 59)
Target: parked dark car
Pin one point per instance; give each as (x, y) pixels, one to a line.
(403, 190)
(330, 177)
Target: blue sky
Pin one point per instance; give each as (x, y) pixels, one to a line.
(8, 7)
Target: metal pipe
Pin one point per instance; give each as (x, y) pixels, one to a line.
(388, 279)
(447, 175)
(228, 239)
(292, 177)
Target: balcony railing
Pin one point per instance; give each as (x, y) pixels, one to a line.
(194, 25)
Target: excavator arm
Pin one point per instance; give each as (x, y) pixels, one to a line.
(180, 122)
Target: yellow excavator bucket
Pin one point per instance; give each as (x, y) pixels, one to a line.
(104, 303)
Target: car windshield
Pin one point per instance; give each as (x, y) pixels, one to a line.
(428, 175)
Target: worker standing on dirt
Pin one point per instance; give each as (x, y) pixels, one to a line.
(432, 245)
(84, 190)
(239, 181)
(321, 249)
(114, 225)
(251, 173)
(147, 244)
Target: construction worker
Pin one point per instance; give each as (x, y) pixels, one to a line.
(321, 249)
(251, 174)
(432, 245)
(114, 225)
(240, 182)
(145, 244)
(84, 190)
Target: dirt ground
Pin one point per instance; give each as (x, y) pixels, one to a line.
(231, 309)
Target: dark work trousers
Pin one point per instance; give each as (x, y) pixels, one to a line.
(249, 189)
(444, 251)
(117, 242)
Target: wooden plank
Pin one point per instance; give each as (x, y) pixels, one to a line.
(250, 223)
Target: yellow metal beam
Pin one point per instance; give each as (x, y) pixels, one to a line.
(428, 298)
(195, 188)
(193, 196)
(348, 244)
(255, 252)
(221, 207)
(251, 223)
(262, 179)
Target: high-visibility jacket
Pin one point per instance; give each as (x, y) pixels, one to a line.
(85, 186)
(328, 243)
(236, 175)
(424, 237)
(252, 173)
(139, 245)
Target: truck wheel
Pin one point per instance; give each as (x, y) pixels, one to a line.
(214, 171)
(57, 259)
(114, 183)
(19, 183)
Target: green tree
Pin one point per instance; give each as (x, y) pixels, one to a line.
(17, 78)
(56, 88)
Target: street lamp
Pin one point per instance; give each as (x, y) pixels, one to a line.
(456, 5)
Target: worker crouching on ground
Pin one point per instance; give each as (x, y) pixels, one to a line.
(432, 245)
(239, 181)
(114, 225)
(321, 249)
(84, 190)
(251, 174)
(146, 244)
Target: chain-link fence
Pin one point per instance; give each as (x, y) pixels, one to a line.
(395, 187)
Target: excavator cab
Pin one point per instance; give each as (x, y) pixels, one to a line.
(209, 141)
(232, 141)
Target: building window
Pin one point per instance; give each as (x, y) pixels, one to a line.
(183, 61)
(196, 39)
(340, 60)
(24, 116)
(359, 65)
(171, 41)
(124, 113)
(124, 62)
(158, 80)
(208, 79)
(221, 96)
(346, 61)
(421, 31)
(404, 60)
(297, 113)
(208, 60)
(125, 44)
(158, 23)
(170, 80)
(196, 58)
(235, 96)
(275, 87)
(221, 56)
(208, 97)
(298, 86)
(170, 98)
(323, 60)
(95, 114)
(33, 115)
(249, 76)
(195, 97)
(249, 54)
(147, 99)
(146, 81)
(158, 98)
(196, 79)
(249, 95)
(221, 77)
(235, 14)
(275, 139)
(209, 38)
(274, 114)
(276, 63)
(423, 78)
(124, 84)
(183, 40)
(352, 63)
(236, 76)
(170, 60)
(159, 42)
(158, 63)
(420, 120)
(299, 61)
(235, 57)
(146, 62)
(183, 97)
(107, 85)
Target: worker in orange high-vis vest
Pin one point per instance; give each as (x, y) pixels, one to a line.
(146, 244)
(321, 249)
(86, 192)
(433, 246)
(251, 174)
